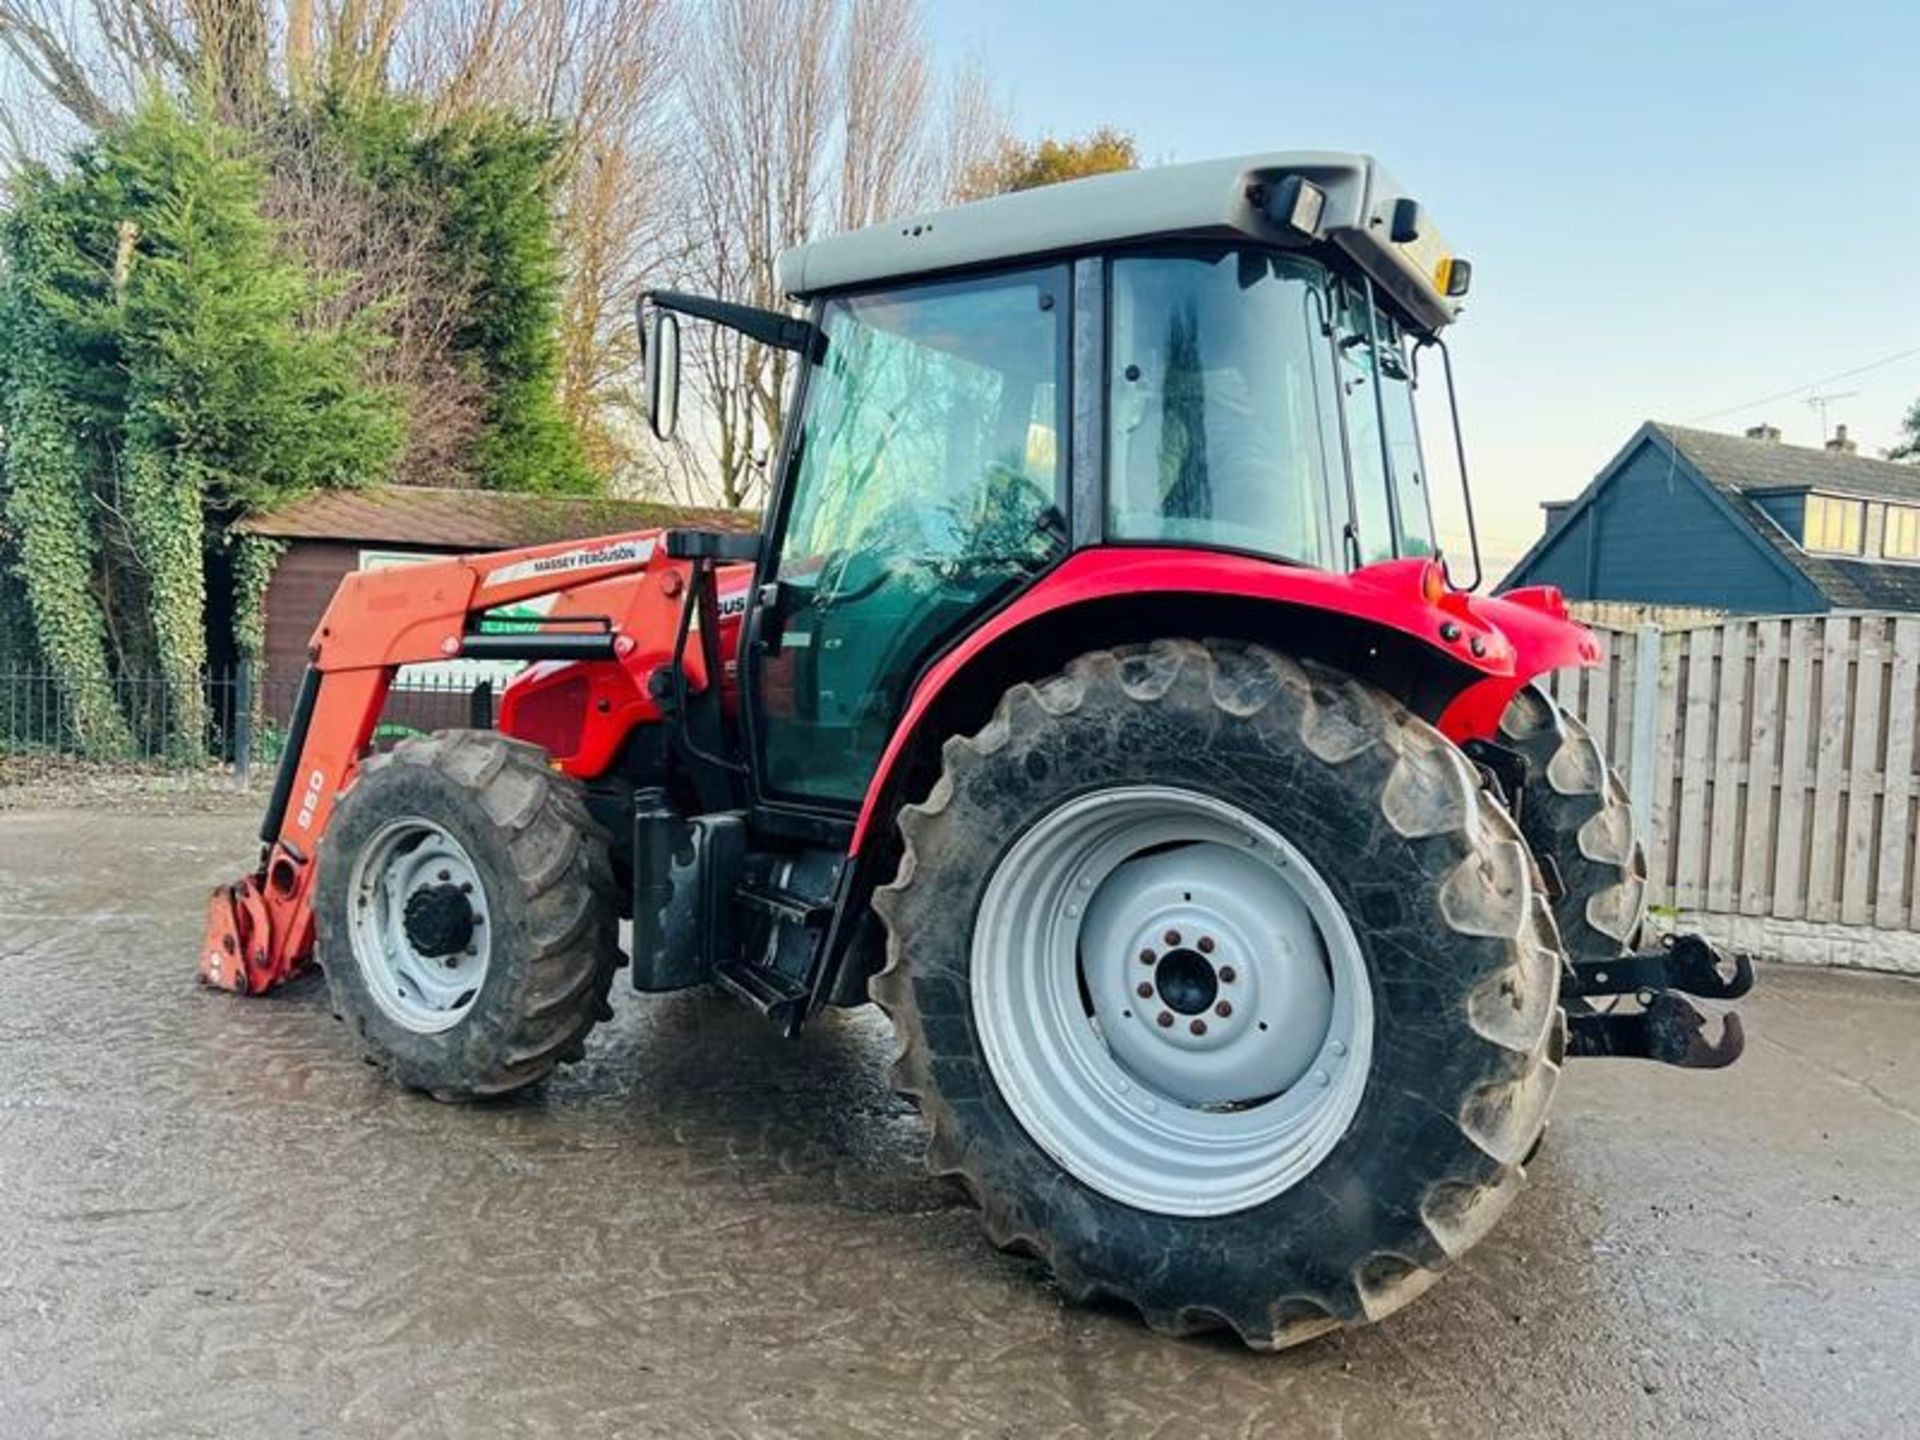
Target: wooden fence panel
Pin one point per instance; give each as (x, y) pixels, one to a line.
(1825, 830)
(1763, 787)
(1695, 778)
(1729, 771)
(1789, 888)
(1781, 773)
(1893, 898)
(1865, 765)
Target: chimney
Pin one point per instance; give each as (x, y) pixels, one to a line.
(1764, 431)
(1840, 444)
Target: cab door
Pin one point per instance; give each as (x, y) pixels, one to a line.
(929, 483)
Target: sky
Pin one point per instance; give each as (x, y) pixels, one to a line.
(1674, 210)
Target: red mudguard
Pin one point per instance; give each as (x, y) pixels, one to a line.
(1504, 641)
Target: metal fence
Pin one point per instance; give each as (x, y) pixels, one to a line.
(236, 722)
(1774, 765)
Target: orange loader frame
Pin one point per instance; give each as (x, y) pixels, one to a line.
(260, 928)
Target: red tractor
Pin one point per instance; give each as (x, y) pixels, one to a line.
(1093, 698)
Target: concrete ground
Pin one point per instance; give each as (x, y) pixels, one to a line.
(214, 1220)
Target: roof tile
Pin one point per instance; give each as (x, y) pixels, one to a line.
(471, 520)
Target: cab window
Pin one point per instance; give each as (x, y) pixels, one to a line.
(928, 484)
(1216, 388)
(1389, 473)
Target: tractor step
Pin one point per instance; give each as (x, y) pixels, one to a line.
(788, 905)
(780, 998)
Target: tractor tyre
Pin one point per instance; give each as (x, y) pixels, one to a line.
(1224, 988)
(1575, 814)
(465, 914)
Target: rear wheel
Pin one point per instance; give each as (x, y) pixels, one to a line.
(465, 914)
(1575, 814)
(1255, 1016)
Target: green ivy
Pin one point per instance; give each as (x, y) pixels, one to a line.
(254, 559)
(44, 478)
(158, 372)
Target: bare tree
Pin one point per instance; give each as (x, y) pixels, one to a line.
(886, 158)
(760, 101)
(972, 128)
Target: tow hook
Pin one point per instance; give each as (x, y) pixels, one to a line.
(1668, 1027)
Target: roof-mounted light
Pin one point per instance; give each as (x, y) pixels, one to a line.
(1297, 204)
(1405, 228)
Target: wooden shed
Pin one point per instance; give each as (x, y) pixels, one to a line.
(332, 533)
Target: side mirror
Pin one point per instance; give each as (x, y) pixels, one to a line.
(660, 355)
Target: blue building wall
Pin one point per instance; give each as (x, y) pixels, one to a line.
(1654, 534)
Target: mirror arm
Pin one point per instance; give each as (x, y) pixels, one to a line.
(769, 327)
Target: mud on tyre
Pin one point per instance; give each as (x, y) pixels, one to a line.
(1450, 993)
(464, 914)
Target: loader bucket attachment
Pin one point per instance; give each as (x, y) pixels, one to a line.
(234, 955)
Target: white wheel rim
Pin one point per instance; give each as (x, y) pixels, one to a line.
(422, 988)
(1170, 1116)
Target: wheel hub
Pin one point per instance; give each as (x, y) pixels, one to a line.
(419, 924)
(1206, 974)
(1171, 999)
(438, 920)
(1186, 982)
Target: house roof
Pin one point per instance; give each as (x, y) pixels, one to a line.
(1740, 468)
(468, 520)
(1743, 464)
(1735, 470)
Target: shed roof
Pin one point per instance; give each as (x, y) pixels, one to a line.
(469, 520)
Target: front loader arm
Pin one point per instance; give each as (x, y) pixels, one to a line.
(260, 928)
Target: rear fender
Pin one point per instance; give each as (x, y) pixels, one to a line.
(1455, 658)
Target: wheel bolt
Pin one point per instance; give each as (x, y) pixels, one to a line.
(1143, 990)
(1227, 973)
(1147, 957)
(446, 875)
(1172, 937)
(1198, 1027)
(1164, 1019)
(1223, 1009)
(466, 887)
(1206, 944)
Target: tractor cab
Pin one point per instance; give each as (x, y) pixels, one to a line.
(1214, 358)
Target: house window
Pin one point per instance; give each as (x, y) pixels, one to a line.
(1834, 525)
(1902, 540)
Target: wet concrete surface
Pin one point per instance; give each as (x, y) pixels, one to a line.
(214, 1220)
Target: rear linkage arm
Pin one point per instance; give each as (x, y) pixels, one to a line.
(1668, 1028)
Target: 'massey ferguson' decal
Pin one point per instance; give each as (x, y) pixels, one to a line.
(566, 562)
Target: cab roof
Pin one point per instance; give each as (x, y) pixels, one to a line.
(1208, 199)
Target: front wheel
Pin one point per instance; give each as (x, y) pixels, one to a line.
(465, 914)
(1253, 1014)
